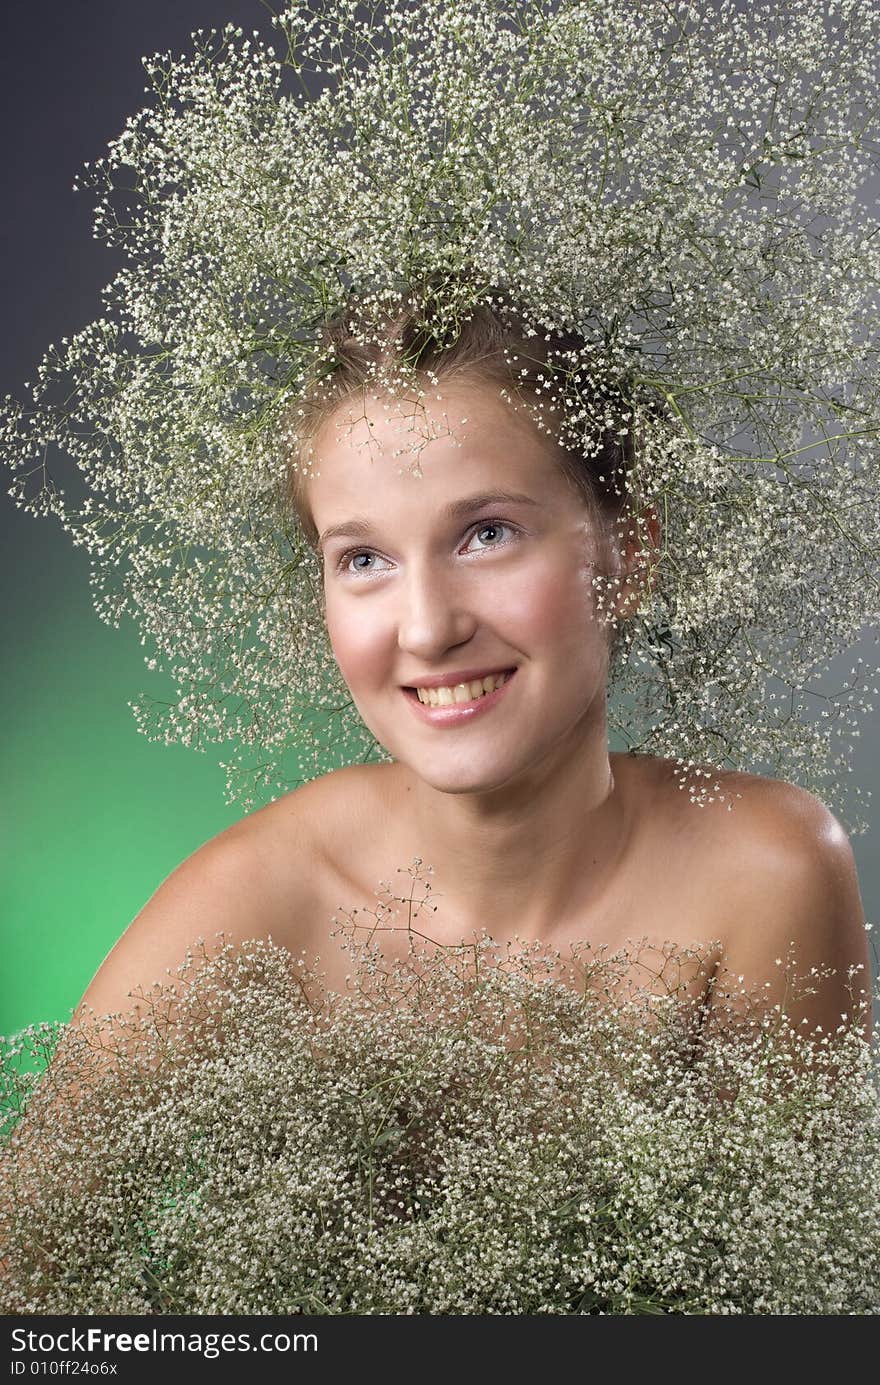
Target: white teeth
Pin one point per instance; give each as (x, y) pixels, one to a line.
(461, 692)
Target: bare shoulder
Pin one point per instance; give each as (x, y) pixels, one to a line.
(785, 883)
(779, 838)
(250, 881)
(744, 812)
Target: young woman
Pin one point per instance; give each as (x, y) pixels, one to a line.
(462, 612)
(462, 609)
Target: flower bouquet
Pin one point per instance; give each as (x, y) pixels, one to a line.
(468, 1129)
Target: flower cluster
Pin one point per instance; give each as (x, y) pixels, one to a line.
(683, 184)
(463, 1129)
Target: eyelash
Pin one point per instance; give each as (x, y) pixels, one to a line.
(474, 529)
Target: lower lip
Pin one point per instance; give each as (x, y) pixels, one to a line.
(458, 712)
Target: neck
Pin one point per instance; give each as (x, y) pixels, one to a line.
(523, 858)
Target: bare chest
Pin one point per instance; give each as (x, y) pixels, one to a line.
(657, 928)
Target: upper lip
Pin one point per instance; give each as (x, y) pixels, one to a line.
(465, 675)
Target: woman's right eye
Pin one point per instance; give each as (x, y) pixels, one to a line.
(349, 556)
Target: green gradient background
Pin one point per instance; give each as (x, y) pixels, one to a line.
(94, 816)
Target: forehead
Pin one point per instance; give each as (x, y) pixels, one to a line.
(372, 452)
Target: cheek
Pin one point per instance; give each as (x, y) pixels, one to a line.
(552, 604)
(356, 639)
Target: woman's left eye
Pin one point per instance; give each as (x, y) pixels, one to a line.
(491, 524)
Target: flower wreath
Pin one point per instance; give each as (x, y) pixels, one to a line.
(679, 187)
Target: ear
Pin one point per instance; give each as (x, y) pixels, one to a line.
(640, 541)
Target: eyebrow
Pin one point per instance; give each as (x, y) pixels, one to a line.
(456, 509)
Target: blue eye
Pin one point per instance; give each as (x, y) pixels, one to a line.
(350, 554)
(491, 524)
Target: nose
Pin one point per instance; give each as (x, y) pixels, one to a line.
(433, 616)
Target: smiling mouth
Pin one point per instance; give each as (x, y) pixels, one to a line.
(456, 694)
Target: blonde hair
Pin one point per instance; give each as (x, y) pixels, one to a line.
(489, 345)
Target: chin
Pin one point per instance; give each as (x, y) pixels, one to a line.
(463, 783)
(446, 775)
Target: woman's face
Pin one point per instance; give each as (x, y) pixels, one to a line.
(439, 580)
